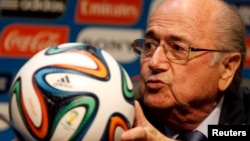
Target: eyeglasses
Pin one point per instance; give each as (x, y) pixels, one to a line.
(174, 50)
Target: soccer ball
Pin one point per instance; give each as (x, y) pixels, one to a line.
(72, 91)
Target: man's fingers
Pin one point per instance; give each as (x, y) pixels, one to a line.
(140, 119)
(137, 133)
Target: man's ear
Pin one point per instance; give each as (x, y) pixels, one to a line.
(228, 69)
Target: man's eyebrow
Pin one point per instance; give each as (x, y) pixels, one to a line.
(149, 33)
(152, 34)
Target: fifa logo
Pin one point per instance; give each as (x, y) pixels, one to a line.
(72, 116)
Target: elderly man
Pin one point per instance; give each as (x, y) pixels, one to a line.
(191, 60)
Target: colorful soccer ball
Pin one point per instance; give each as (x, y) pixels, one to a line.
(73, 91)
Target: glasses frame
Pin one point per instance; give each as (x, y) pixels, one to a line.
(134, 45)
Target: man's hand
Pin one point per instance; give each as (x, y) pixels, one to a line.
(143, 130)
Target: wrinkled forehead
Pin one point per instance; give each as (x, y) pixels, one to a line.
(187, 20)
(197, 10)
(196, 15)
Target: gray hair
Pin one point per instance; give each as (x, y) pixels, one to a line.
(230, 35)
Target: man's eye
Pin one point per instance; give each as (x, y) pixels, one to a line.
(149, 46)
(177, 47)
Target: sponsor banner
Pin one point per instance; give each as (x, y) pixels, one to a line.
(118, 12)
(115, 41)
(24, 40)
(42, 9)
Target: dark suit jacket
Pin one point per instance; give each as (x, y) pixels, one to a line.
(235, 109)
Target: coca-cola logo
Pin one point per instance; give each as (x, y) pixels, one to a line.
(26, 40)
(31, 43)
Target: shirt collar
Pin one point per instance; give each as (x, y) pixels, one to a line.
(212, 119)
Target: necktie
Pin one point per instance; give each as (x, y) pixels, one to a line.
(192, 136)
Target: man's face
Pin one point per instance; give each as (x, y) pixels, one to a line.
(168, 83)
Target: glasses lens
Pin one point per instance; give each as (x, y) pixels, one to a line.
(137, 46)
(177, 50)
(173, 50)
